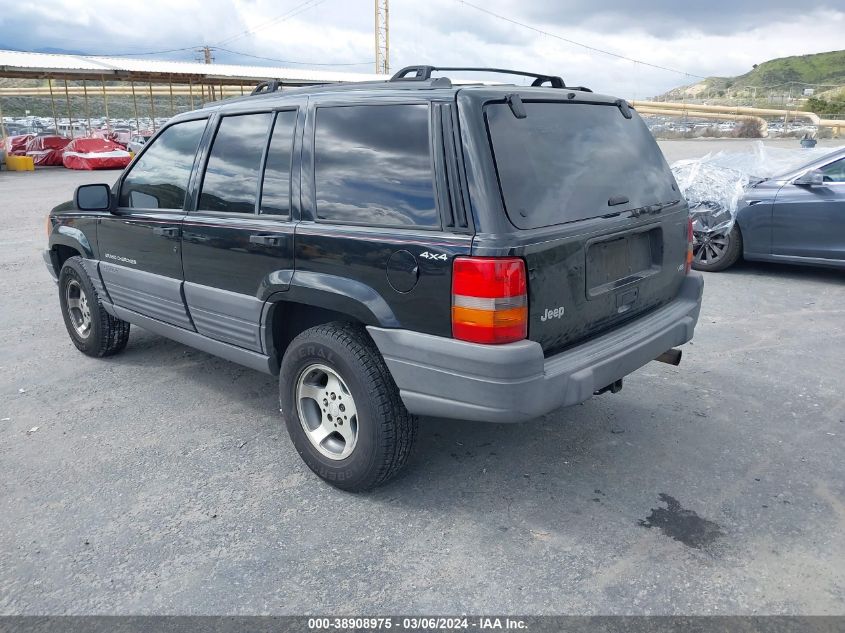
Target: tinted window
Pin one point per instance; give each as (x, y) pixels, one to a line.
(564, 161)
(373, 165)
(835, 172)
(160, 177)
(231, 176)
(275, 192)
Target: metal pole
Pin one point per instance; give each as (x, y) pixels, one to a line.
(170, 84)
(152, 108)
(2, 124)
(87, 110)
(105, 104)
(242, 88)
(69, 112)
(135, 106)
(386, 37)
(375, 32)
(191, 92)
(53, 105)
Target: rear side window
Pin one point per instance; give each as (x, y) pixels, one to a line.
(275, 192)
(160, 177)
(373, 165)
(565, 161)
(231, 176)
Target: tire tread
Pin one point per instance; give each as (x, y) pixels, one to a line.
(114, 332)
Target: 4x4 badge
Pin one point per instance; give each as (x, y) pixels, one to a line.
(427, 255)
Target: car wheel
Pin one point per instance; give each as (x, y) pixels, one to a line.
(712, 252)
(342, 409)
(93, 330)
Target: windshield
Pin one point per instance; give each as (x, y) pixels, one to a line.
(571, 161)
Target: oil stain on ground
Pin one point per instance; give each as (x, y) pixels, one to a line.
(682, 525)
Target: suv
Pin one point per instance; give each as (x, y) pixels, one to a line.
(392, 249)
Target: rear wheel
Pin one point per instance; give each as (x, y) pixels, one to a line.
(713, 252)
(93, 330)
(342, 409)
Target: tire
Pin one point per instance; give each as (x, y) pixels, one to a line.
(357, 452)
(104, 335)
(715, 256)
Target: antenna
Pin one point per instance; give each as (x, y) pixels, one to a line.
(382, 33)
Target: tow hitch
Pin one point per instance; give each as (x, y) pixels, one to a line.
(614, 387)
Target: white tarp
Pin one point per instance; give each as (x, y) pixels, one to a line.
(714, 184)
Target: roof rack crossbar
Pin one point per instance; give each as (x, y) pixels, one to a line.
(267, 86)
(423, 73)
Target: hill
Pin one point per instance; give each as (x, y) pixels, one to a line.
(824, 72)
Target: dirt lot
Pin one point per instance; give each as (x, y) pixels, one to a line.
(162, 481)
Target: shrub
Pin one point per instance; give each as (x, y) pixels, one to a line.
(749, 128)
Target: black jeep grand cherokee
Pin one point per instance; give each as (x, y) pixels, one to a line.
(392, 249)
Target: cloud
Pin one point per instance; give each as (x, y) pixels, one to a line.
(668, 18)
(716, 38)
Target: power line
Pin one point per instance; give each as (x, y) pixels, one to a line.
(172, 50)
(300, 8)
(290, 61)
(581, 44)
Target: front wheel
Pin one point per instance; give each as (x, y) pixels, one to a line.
(712, 252)
(342, 409)
(93, 330)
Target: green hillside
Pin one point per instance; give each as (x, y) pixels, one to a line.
(822, 71)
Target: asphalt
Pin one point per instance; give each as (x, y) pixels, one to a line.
(161, 481)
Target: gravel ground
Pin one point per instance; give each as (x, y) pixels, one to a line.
(161, 481)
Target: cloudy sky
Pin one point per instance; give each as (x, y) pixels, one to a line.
(719, 37)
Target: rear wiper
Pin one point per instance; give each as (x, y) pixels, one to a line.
(652, 209)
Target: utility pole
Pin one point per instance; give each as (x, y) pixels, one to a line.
(382, 33)
(206, 54)
(205, 51)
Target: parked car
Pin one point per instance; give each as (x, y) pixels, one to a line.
(94, 153)
(390, 250)
(797, 218)
(47, 151)
(137, 141)
(120, 136)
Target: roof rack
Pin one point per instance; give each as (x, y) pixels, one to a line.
(423, 73)
(267, 86)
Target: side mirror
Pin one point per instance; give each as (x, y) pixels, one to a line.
(93, 198)
(813, 178)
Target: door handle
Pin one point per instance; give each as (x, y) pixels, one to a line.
(166, 231)
(265, 240)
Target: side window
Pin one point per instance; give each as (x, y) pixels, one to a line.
(231, 176)
(373, 165)
(835, 172)
(275, 191)
(159, 179)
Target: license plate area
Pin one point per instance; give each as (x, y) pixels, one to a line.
(623, 259)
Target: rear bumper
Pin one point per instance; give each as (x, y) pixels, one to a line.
(447, 378)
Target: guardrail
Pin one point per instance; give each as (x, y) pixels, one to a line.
(735, 112)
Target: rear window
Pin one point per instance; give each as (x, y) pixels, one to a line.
(565, 162)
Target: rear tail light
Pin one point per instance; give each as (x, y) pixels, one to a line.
(688, 261)
(489, 299)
